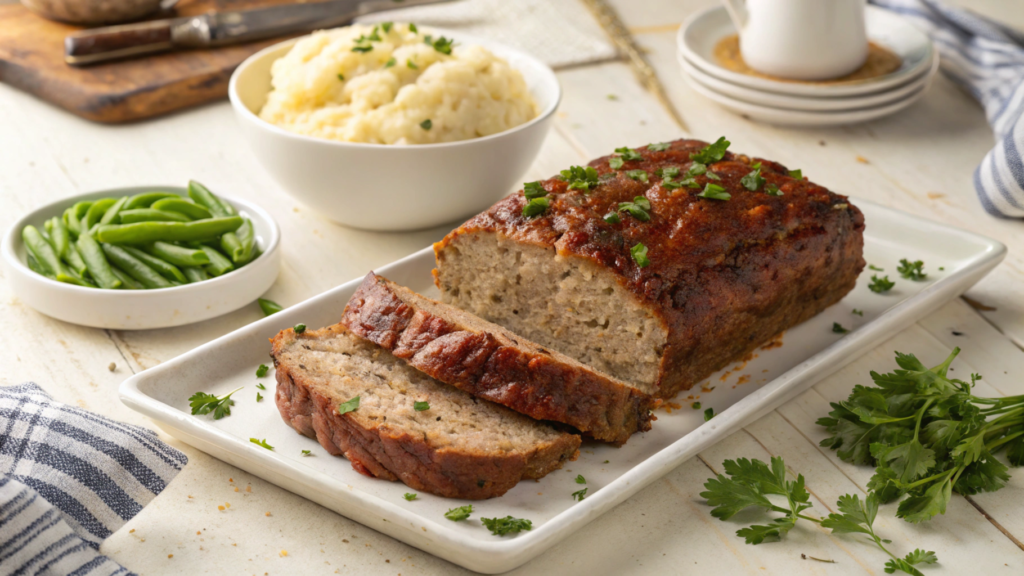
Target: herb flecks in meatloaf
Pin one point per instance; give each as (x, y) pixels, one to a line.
(724, 276)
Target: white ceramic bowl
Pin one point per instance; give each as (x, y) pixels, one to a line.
(386, 187)
(141, 309)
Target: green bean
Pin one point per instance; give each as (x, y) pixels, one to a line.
(190, 209)
(232, 246)
(73, 224)
(146, 232)
(76, 280)
(59, 235)
(95, 212)
(219, 264)
(44, 253)
(177, 255)
(48, 225)
(151, 215)
(166, 269)
(246, 236)
(202, 196)
(75, 261)
(146, 199)
(134, 267)
(126, 281)
(269, 306)
(36, 267)
(96, 262)
(114, 211)
(195, 273)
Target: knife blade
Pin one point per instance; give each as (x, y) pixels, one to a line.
(217, 29)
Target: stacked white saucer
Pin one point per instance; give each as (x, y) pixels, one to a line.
(809, 104)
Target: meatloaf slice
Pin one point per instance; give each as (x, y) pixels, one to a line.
(720, 277)
(458, 447)
(492, 363)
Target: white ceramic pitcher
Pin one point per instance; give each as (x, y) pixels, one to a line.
(801, 39)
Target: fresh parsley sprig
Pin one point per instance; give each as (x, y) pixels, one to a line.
(880, 285)
(203, 403)
(927, 435)
(751, 482)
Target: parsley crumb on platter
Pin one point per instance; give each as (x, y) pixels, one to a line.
(580, 479)
(261, 443)
(259, 397)
(409, 496)
(460, 513)
(307, 452)
(261, 386)
(579, 495)
(858, 312)
(695, 405)
(876, 268)
(203, 403)
(262, 371)
(506, 525)
(912, 270)
(880, 285)
(838, 328)
(709, 414)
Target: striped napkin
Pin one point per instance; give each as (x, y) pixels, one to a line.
(987, 59)
(68, 479)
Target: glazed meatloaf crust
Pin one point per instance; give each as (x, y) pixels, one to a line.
(490, 362)
(719, 278)
(456, 446)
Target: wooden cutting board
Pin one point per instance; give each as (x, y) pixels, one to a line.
(32, 59)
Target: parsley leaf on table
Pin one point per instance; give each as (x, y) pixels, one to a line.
(506, 525)
(203, 403)
(751, 482)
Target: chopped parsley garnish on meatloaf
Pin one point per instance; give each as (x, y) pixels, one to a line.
(753, 180)
(580, 177)
(640, 175)
(535, 207)
(712, 152)
(639, 208)
(350, 406)
(534, 190)
(714, 192)
(772, 190)
(659, 146)
(639, 254)
(628, 153)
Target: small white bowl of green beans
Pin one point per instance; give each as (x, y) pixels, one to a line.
(142, 257)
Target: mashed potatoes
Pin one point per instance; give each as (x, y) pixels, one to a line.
(392, 84)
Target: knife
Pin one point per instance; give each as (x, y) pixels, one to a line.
(217, 29)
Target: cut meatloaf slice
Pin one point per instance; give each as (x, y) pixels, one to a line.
(659, 297)
(459, 447)
(492, 363)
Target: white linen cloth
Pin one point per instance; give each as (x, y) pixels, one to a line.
(556, 32)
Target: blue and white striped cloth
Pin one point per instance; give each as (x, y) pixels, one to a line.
(68, 479)
(987, 59)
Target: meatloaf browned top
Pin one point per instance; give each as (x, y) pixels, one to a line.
(723, 275)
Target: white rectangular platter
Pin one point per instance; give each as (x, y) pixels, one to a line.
(741, 394)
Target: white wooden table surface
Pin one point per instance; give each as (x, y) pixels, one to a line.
(920, 161)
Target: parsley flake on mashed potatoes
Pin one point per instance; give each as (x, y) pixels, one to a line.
(382, 84)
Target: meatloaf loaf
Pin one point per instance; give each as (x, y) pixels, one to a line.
(490, 362)
(658, 265)
(405, 425)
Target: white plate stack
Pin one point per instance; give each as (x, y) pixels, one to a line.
(809, 104)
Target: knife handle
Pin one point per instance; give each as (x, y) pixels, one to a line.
(115, 42)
